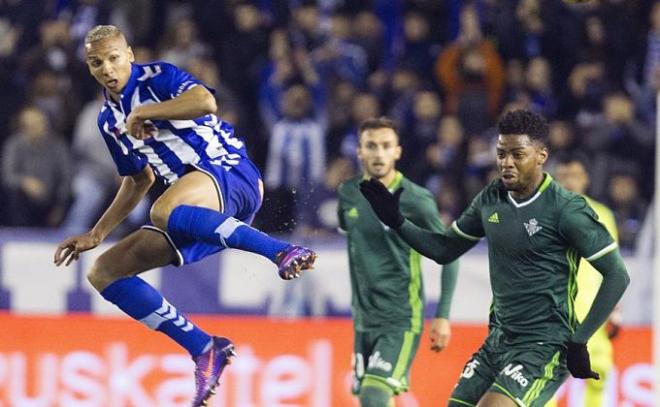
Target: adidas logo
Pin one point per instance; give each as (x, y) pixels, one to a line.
(494, 218)
(352, 213)
(532, 226)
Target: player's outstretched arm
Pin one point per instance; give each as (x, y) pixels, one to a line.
(130, 193)
(191, 104)
(442, 247)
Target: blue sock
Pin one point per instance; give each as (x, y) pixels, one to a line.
(143, 303)
(216, 228)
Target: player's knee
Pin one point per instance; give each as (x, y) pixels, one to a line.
(102, 273)
(160, 214)
(374, 397)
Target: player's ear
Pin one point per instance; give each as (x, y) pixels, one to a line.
(542, 155)
(397, 152)
(131, 56)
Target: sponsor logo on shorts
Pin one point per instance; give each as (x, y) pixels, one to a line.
(377, 362)
(515, 373)
(470, 367)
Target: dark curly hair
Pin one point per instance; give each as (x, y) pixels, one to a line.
(524, 122)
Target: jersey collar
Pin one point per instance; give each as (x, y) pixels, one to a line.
(544, 185)
(394, 185)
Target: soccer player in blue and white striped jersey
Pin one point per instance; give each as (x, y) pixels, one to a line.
(158, 122)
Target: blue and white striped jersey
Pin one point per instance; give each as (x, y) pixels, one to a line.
(178, 143)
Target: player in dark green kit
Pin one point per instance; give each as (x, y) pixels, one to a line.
(537, 231)
(386, 281)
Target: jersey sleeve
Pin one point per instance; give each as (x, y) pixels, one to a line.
(579, 225)
(469, 225)
(169, 81)
(126, 160)
(341, 206)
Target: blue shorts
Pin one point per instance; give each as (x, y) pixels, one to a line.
(239, 197)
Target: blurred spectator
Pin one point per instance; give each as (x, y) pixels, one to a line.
(182, 43)
(587, 85)
(367, 32)
(619, 142)
(418, 52)
(420, 128)
(307, 28)
(479, 162)
(38, 190)
(95, 178)
(338, 59)
(339, 115)
(241, 59)
(450, 203)
(535, 31)
(54, 98)
(371, 58)
(364, 106)
(339, 170)
(628, 206)
(55, 51)
(229, 108)
(444, 159)
(279, 73)
(143, 55)
(538, 81)
(642, 78)
(399, 93)
(294, 66)
(561, 142)
(515, 80)
(12, 92)
(472, 75)
(296, 155)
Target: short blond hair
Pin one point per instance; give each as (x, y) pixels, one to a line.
(102, 32)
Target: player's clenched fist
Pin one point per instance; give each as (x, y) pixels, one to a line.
(70, 249)
(138, 127)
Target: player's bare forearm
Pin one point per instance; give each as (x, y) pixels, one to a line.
(130, 193)
(442, 247)
(191, 104)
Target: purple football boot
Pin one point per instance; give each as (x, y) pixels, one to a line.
(292, 260)
(208, 368)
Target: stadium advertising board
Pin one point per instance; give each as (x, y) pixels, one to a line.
(85, 361)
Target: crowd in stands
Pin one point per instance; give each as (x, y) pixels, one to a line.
(296, 77)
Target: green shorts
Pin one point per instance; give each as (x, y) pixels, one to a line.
(383, 359)
(529, 374)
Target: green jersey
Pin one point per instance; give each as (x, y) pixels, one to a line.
(534, 248)
(386, 281)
